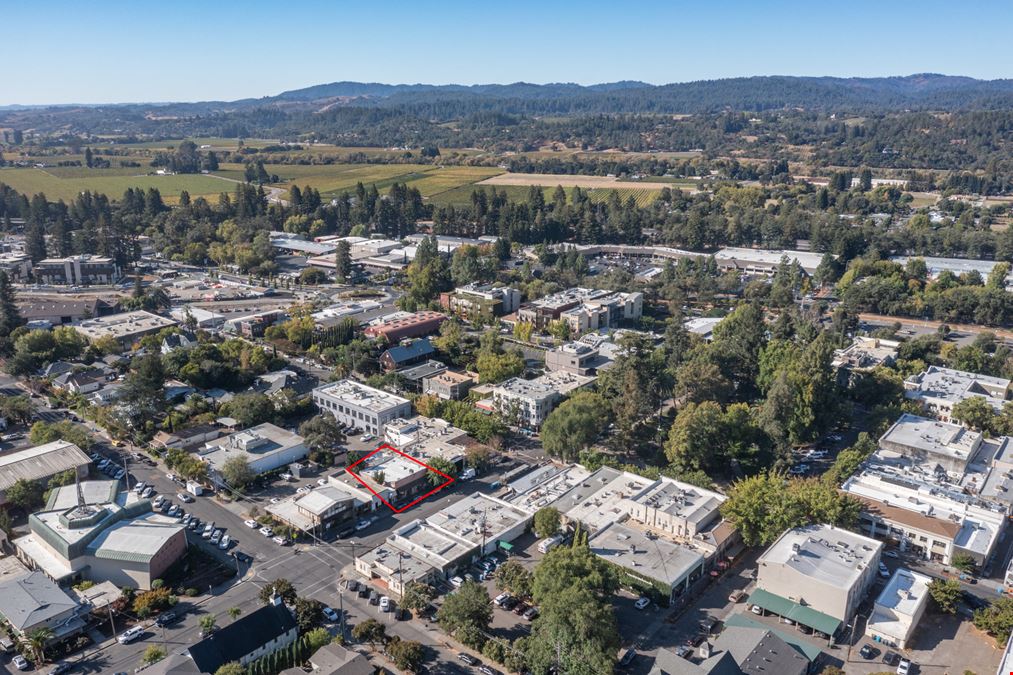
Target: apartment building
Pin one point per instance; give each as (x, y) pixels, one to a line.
(481, 302)
(77, 270)
(17, 265)
(939, 389)
(583, 309)
(526, 403)
(448, 385)
(360, 406)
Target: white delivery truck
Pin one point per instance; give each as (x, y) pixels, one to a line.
(194, 488)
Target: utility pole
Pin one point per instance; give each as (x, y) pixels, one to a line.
(341, 608)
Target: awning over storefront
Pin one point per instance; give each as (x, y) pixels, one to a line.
(807, 616)
(506, 546)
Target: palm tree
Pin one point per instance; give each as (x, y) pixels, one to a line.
(37, 639)
(234, 613)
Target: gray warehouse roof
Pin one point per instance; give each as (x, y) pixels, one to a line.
(40, 462)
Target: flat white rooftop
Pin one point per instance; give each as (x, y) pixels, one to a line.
(596, 501)
(361, 396)
(830, 555)
(479, 518)
(953, 386)
(646, 557)
(123, 325)
(904, 592)
(924, 435)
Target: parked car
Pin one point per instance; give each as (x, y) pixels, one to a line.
(736, 595)
(330, 614)
(120, 473)
(641, 603)
(385, 604)
(185, 497)
(266, 531)
(281, 541)
(531, 614)
(352, 585)
(509, 603)
(20, 662)
(129, 635)
(139, 488)
(148, 491)
(868, 651)
(891, 553)
(209, 529)
(216, 537)
(225, 542)
(303, 490)
(467, 658)
(174, 511)
(243, 557)
(186, 520)
(884, 571)
(891, 658)
(321, 481)
(167, 619)
(499, 599)
(59, 668)
(252, 524)
(486, 670)
(194, 524)
(521, 608)
(904, 667)
(158, 501)
(363, 524)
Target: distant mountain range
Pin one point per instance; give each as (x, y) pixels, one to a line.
(922, 91)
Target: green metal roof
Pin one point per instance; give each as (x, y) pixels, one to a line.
(792, 639)
(807, 616)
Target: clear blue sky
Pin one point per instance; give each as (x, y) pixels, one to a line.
(55, 51)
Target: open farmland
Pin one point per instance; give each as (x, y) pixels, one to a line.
(66, 183)
(552, 180)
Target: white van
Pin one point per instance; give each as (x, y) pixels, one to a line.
(546, 545)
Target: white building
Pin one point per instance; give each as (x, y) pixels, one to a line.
(265, 447)
(126, 328)
(898, 609)
(938, 446)
(816, 575)
(77, 270)
(956, 266)
(360, 406)
(764, 262)
(939, 389)
(702, 326)
(866, 353)
(930, 518)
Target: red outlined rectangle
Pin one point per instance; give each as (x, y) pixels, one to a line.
(385, 446)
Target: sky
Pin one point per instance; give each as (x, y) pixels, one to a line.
(107, 51)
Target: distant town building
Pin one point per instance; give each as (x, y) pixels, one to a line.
(126, 327)
(481, 302)
(583, 309)
(448, 385)
(265, 447)
(702, 326)
(866, 353)
(77, 270)
(408, 354)
(526, 403)
(414, 325)
(360, 406)
(577, 358)
(939, 389)
(16, 265)
(738, 650)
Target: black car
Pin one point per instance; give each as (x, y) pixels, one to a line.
(363, 591)
(868, 651)
(167, 619)
(975, 602)
(347, 532)
(243, 557)
(891, 658)
(509, 603)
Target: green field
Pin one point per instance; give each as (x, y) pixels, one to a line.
(111, 182)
